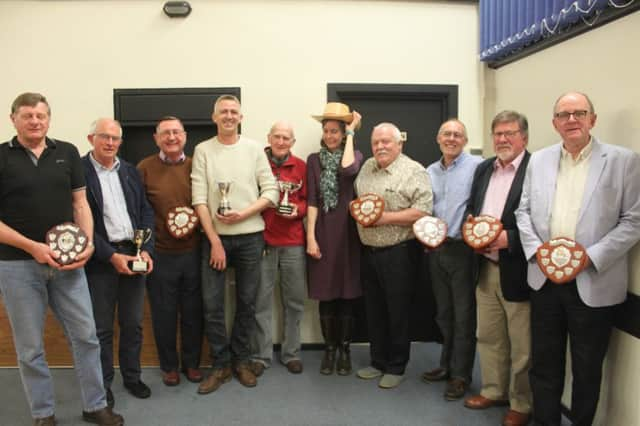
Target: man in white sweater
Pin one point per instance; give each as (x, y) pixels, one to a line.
(234, 236)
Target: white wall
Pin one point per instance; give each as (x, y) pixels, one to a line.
(281, 53)
(603, 63)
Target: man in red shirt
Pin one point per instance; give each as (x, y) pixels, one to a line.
(284, 256)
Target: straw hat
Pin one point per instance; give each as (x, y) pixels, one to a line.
(335, 111)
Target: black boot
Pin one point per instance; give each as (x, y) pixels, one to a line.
(343, 366)
(328, 325)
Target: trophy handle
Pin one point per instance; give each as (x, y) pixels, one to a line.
(146, 236)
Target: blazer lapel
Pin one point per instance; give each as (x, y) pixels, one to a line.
(596, 166)
(93, 184)
(516, 186)
(551, 171)
(127, 190)
(482, 190)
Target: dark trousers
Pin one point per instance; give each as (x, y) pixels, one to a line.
(557, 312)
(388, 276)
(174, 287)
(109, 289)
(244, 254)
(454, 288)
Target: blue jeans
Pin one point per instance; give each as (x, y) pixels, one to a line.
(27, 287)
(288, 263)
(174, 286)
(243, 253)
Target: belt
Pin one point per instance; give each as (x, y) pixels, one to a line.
(126, 245)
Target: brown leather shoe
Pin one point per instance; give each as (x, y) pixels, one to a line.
(245, 375)
(257, 368)
(217, 378)
(479, 402)
(294, 366)
(45, 421)
(103, 417)
(456, 388)
(194, 375)
(171, 378)
(515, 418)
(436, 375)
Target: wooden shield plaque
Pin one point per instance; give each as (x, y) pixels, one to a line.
(430, 231)
(480, 231)
(67, 241)
(182, 222)
(561, 259)
(367, 209)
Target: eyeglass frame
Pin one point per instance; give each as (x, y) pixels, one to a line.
(579, 114)
(509, 134)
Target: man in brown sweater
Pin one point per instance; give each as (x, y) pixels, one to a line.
(174, 284)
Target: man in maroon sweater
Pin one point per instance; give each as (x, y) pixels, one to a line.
(174, 285)
(284, 238)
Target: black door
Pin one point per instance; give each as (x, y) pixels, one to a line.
(138, 110)
(418, 110)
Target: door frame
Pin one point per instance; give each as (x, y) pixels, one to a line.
(446, 93)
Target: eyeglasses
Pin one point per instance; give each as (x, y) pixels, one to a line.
(580, 114)
(170, 132)
(107, 137)
(450, 134)
(508, 134)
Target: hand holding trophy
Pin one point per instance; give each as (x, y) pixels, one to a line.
(67, 241)
(561, 259)
(285, 208)
(140, 236)
(225, 206)
(367, 209)
(480, 231)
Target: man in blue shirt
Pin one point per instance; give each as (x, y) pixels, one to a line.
(450, 265)
(119, 207)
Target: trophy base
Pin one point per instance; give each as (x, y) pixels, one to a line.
(139, 266)
(285, 209)
(223, 212)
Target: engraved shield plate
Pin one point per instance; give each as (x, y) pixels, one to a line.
(430, 231)
(182, 222)
(367, 209)
(66, 240)
(480, 231)
(561, 259)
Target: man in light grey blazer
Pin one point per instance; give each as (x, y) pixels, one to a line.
(588, 191)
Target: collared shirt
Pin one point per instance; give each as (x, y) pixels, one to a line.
(167, 160)
(116, 217)
(34, 196)
(403, 184)
(572, 177)
(451, 189)
(498, 191)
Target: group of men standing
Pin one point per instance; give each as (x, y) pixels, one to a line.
(581, 189)
(497, 299)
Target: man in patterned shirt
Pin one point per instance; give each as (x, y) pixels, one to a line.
(390, 251)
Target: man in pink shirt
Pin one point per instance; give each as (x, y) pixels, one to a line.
(502, 295)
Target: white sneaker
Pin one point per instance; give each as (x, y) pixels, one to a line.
(368, 373)
(390, 381)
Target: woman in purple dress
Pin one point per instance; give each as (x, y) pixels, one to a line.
(333, 245)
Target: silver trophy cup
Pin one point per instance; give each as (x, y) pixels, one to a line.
(140, 236)
(284, 207)
(224, 207)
